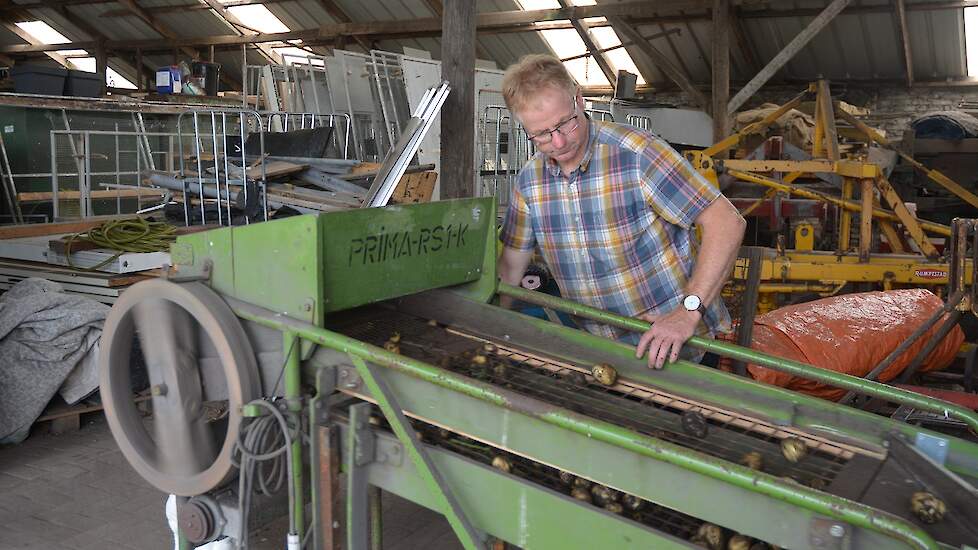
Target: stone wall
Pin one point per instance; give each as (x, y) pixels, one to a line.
(892, 108)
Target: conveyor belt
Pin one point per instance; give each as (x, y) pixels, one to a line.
(729, 436)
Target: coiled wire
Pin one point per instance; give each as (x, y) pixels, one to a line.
(130, 235)
(263, 444)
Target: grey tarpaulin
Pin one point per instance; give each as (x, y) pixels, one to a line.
(44, 335)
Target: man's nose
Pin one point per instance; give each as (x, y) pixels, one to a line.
(558, 139)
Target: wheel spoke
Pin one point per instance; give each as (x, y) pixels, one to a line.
(167, 334)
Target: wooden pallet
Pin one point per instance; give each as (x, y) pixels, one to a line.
(62, 418)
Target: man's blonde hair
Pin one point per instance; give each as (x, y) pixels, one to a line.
(532, 74)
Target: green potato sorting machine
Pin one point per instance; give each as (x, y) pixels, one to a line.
(366, 342)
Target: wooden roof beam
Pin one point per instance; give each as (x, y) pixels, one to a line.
(659, 60)
(789, 51)
(160, 28)
(721, 70)
(437, 7)
(339, 14)
(237, 26)
(624, 44)
(901, 15)
(584, 32)
(9, 20)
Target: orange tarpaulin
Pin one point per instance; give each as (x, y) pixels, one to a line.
(851, 334)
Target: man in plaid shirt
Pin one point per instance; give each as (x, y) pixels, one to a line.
(612, 209)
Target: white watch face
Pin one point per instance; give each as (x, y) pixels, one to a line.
(691, 302)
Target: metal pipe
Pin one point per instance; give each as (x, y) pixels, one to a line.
(55, 201)
(200, 168)
(937, 338)
(852, 206)
(838, 508)
(796, 368)
(952, 302)
(217, 171)
(293, 400)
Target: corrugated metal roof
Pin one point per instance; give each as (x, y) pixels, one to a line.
(861, 45)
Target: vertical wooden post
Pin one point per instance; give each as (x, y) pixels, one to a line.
(139, 71)
(245, 85)
(866, 219)
(212, 52)
(101, 63)
(721, 69)
(458, 112)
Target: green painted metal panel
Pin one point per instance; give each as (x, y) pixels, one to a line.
(275, 264)
(674, 487)
(777, 405)
(673, 475)
(380, 253)
(484, 288)
(526, 515)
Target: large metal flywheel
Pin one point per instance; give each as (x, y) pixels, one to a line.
(177, 449)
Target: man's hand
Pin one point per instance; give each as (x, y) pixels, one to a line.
(666, 337)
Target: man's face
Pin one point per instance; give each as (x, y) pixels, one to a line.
(556, 124)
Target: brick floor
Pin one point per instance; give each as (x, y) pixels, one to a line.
(76, 491)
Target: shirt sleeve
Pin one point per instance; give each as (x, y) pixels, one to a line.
(517, 232)
(672, 187)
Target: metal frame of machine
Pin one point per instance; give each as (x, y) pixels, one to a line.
(806, 270)
(307, 331)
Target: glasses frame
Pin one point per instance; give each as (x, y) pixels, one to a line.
(560, 128)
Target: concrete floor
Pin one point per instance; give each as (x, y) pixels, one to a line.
(77, 492)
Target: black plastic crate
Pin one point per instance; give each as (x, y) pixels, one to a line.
(38, 79)
(83, 84)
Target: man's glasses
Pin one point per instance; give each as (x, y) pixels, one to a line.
(564, 128)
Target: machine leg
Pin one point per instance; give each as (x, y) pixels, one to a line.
(387, 401)
(360, 454)
(748, 306)
(329, 504)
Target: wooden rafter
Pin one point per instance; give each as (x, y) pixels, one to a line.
(339, 14)
(509, 21)
(721, 69)
(680, 62)
(584, 32)
(789, 51)
(623, 44)
(746, 48)
(901, 14)
(745, 13)
(658, 59)
(241, 29)
(156, 25)
(8, 20)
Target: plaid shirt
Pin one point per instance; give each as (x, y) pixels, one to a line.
(618, 233)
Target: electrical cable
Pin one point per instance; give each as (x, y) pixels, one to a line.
(134, 235)
(259, 442)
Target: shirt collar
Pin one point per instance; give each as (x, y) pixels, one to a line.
(592, 134)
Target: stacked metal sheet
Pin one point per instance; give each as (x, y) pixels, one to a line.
(103, 287)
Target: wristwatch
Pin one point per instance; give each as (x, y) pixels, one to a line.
(693, 302)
